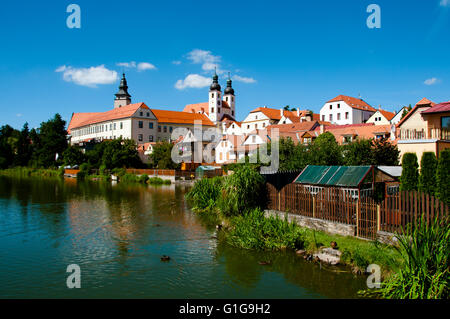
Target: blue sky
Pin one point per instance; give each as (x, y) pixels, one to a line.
(297, 53)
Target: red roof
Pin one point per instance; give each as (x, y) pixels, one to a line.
(353, 102)
(83, 119)
(202, 107)
(273, 114)
(422, 103)
(438, 108)
(176, 117)
(388, 115)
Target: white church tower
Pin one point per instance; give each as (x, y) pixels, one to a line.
(122, 97)
(228, 96)
(215, 100)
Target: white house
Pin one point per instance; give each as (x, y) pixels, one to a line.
(227, 149)
(381, 117)
(344, 110)
(231, 128)
(398, 116)
(261, 117)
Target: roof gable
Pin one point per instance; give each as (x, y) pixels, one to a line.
(353, 102)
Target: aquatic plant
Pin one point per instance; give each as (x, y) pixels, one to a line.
(205, 193)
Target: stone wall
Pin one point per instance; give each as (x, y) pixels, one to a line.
(315, 223)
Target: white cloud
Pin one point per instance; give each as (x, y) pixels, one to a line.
(176, 62)
(431, 81)
(145, 66)
(445, 3)
(88, 76)
(19, 114)
(243, 79)
(142, 66)
(131, 64)
(208, 61)
(193, 81)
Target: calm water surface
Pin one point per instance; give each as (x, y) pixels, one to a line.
(117, 234)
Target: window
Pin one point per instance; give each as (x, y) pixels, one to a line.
(140, 137)
(323, 117)
(212, 110)
(248, 126)
(232, 113)
(264, 124)
(114, 125)
(253, 139)
(148, 114)
(141, 124)
(232, 99)
(150, 125)
(218, 110)
(331, 117)
(159, 128)
(141, 113)
(346, 115)
(218, 103)
(212, 95)
(150, 138)
(339, 116)
(165, 129)
(170, 129)
(121, 125)
(226, 99)
(331, 106)
(339, 106)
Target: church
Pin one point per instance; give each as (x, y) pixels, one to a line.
(219, 108)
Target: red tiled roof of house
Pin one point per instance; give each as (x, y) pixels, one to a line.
(438, 108)
(176, 117)
(202, 107)
(273, 114)
(422, 103)
(83, 119)
(353, 102)
(388, 115)
(361, 131)
(294, 127)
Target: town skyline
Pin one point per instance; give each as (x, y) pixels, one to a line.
(169, 56)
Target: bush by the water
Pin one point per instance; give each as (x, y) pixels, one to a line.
(205, 193)
(425, 250)
(253, 231)
(242, 191)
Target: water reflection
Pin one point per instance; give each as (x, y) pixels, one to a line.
(117, 233)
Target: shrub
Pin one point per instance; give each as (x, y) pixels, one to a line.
(103, 170)
(427, 177)
(242, 191)
(129, 178)
(410, 175)
(425, 250)
(155, 181)
(253, 231)
(205, 193)
(143, 178)
(119, 171)
(443, 177)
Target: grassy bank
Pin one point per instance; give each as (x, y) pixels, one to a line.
(123, 176)
(32, 172)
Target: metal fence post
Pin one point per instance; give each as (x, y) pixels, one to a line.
(378, 217)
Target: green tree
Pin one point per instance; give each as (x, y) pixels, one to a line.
(51, 139)
(385, 153)
(410, 174)
(120, 153)
(161, 156)
(358, 152)
(73, 156)
(24, 149)
(291, 156)
(443, 177)
(8, 138)
(427, 177)
(324, 150)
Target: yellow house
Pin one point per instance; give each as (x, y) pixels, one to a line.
(426, 128)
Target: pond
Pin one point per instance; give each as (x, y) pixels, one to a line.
(117, 234)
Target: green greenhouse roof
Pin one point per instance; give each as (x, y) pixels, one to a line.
(349, 176)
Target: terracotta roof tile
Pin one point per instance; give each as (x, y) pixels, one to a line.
(353, 102)
(273, 114)
(176, 117)
(438, 108)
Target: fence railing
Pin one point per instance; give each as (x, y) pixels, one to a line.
(334, 204)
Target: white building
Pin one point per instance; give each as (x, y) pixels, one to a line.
(381, 117)
(398, 116)
(261, 117)
(344, 110)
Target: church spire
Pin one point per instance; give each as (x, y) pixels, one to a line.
(122, 96)
(215, 86)
(229, 89)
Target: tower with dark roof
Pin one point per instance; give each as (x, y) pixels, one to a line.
(122, 96)
(215, 100)
(229, 97)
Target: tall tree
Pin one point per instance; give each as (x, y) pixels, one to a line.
(385, 153)
(73, 156)
(24, 148)
(51, 140)
(161, 157)
(443, 177)
(358, 152)
(410, 174)
(8, 141)
(427, 177)
(324, 150)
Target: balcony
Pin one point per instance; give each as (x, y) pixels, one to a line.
(424, 134)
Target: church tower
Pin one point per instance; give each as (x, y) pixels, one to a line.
(122, 97)
(228, 96)
(215, 100)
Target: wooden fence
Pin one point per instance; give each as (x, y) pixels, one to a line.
(392, 214)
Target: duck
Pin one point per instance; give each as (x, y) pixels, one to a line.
(165, 258)
(264, 263)
(333, 244)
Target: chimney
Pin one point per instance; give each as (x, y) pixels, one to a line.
(281, 112)
(298, 112)
(322, 128)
